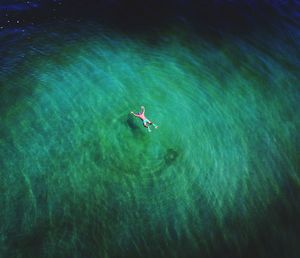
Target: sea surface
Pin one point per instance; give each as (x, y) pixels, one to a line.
(81, 177)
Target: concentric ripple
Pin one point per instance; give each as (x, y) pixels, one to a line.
(86, 179)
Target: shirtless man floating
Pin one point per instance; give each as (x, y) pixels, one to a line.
(141, 115)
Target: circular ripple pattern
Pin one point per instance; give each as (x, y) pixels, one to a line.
(83, 178)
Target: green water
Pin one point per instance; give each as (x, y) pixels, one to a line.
(81, 177)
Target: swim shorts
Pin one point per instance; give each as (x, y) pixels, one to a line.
(145, 121)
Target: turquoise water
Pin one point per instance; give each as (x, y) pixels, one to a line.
(81, 177)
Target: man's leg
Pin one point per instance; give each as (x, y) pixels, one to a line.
(155, 126)
(145, 125)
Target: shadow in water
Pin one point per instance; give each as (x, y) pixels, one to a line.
(135, 129)
(131, 124)
(170, 156)
(167, 160)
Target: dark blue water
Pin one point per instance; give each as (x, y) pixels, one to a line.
(81, 177)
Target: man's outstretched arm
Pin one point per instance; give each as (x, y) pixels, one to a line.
(143, 109)
(133, 113)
